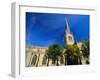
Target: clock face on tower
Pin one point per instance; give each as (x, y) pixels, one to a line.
(69, 38)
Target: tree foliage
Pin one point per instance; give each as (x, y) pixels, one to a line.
(85, 48)
(54, 52)
(72, 55)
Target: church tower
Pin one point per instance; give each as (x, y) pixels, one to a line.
(69, 39)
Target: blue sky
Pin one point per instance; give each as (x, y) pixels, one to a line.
(45, 29)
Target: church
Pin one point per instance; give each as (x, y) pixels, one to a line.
(36, 55)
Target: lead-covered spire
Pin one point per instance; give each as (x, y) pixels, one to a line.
(67, 27)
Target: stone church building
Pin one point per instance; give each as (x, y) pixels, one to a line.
(35, 55)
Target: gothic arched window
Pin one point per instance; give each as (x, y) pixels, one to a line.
(44, 60)
(34, 60)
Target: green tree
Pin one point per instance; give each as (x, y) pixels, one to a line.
(85, 49)
(54, 52)
(67, 53)
(72, 55)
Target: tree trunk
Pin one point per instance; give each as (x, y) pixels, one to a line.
(80, 60)
(65, 61)
(48, 62)
(57, 62)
